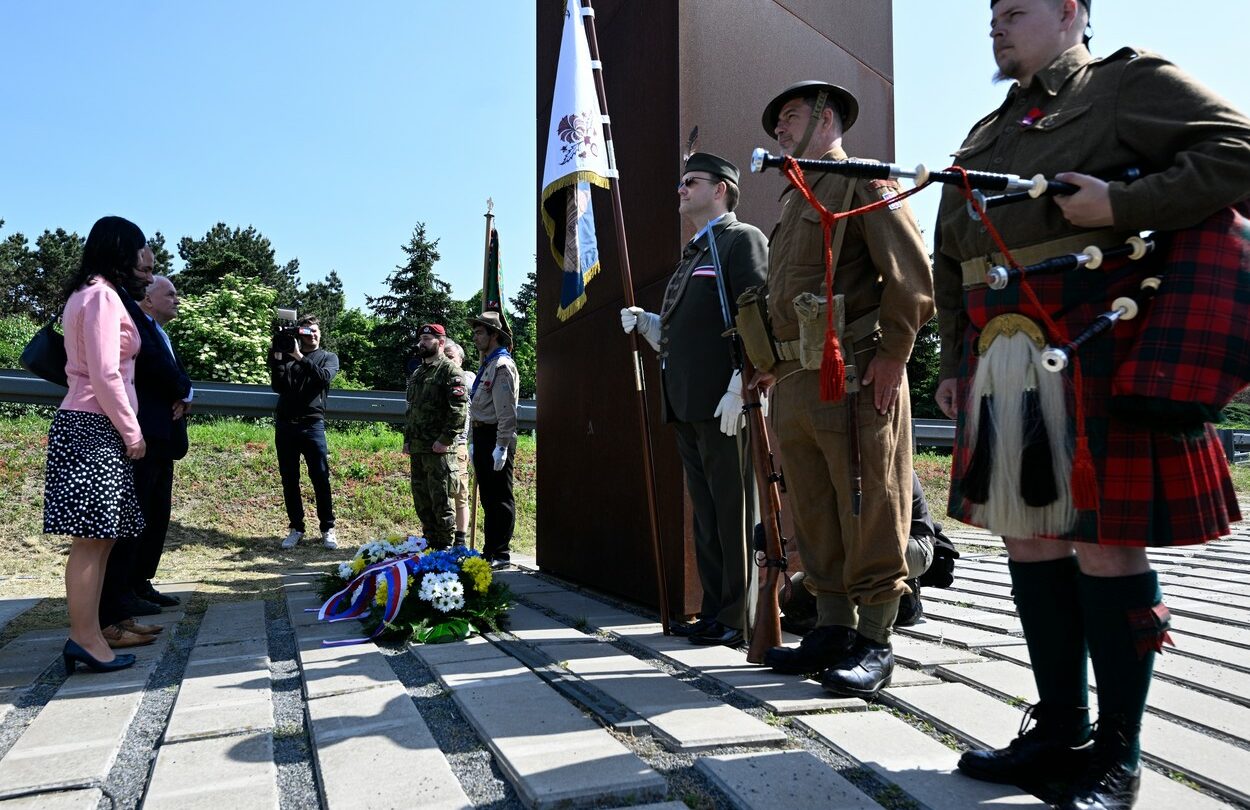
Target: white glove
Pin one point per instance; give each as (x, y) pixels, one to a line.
(647, 324)
(500, 455)
(764, 404)
(730, 408)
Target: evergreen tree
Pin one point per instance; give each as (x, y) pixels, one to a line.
(417, 296)
(326, 300)
(242, 252)
(162, 259)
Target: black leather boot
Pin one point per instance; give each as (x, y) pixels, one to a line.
(1045, 760)
(1113, 776)
(864, 672)
(819, 650)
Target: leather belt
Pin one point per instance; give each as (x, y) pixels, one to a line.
(862, 328)
(974, 270)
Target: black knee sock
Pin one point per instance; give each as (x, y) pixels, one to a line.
(1125, 625)
(1050, 612)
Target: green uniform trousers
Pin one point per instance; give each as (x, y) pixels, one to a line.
(435, 480)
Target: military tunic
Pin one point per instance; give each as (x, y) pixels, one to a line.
(695, 369)
(883, 263)
(1099, 116)
(437, 403)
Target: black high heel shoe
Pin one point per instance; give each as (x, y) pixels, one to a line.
(74, 655)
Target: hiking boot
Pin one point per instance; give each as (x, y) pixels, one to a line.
(864, 672)
(1043, 759)
(819, 650)
(292, 539)
(910, 611)
(329, 539)
(1109, 782)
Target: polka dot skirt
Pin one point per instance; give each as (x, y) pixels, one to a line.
(89, 485)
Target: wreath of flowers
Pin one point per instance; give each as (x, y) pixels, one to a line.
(401, 589)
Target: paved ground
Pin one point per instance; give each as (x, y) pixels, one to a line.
(584, 703)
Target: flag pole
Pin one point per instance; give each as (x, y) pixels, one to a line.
(644, 420)
(490, 224)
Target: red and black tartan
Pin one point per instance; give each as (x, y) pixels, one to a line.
(1154, 489)
(1204, 307)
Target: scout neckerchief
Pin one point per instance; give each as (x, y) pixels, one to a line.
(501, 351)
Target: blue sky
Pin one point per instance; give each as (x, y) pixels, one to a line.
(334, 128)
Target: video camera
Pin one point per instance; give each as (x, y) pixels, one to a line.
(286, 333)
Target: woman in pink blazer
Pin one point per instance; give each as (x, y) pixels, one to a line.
(89, 489)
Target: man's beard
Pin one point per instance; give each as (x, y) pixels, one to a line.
(426, 352)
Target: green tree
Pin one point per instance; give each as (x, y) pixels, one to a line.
(58, 256)
(162, 259)
(224, 334)
(17, 263)
(15, 332)
(922, 372)
(417, 296)
(326, 300)
(353, 338)
(525, 334)
(241, 252)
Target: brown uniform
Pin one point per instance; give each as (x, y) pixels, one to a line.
(1098, 116)
(883, 264)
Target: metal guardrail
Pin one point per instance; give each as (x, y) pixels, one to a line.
(238, 399)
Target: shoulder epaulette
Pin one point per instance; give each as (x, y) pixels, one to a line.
(1126, 52)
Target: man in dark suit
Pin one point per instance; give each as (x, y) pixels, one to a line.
(702, 391)
(164, 392)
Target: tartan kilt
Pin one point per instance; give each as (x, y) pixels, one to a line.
(1154, 489)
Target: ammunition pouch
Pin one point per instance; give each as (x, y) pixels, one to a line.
(754, 328)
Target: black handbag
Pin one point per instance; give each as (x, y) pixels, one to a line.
(45, 355)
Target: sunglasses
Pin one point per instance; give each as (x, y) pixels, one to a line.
(690, 182)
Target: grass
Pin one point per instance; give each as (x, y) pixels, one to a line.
(228, 516)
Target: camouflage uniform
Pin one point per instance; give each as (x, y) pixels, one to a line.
(437, 404)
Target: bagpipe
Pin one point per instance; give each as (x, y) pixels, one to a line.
(1190, 355)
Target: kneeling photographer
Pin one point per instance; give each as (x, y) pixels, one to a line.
(300, 372)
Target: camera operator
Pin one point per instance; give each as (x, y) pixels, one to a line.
(300, 372)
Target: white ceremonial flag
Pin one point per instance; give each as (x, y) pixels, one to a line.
(577, 157)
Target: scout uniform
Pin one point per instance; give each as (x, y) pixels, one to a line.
(493, 416)
(855, 564)
(696, 363)
(1094, 116)
(437, 401)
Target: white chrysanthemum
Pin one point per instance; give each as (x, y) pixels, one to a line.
(345, 570)
(433, 585)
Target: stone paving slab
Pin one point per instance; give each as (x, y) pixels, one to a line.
(1203, 585)
(780, 694)
(579, 607)
(61, 800)
(686, 718)
(72, 741)
(782, 780)
(234, 772)
(987, 722)
(472, 649)
(537, 627)
(232, 621)
(362, 667)
(958, 635)
(522, 583)
(1011, 680)
(973, 617)
(23, 659)
(919, 765)
(131, 679)
(226, 689)
(380, 727)
(551, 753)
(1213, 764)
(1216, 631)
(1227, 596)
(924, 654)
(10, 609)
(906, 676)
(1217, 652)
(998, 603)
